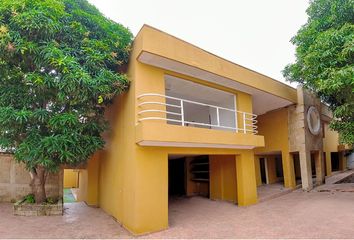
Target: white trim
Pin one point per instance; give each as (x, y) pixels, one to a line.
(192, 145)
(249, 119)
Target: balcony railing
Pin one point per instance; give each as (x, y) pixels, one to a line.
(153, 106)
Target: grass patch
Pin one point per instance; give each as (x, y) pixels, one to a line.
(68, 197)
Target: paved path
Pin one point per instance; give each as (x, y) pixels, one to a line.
(79, 221)
(294, 215)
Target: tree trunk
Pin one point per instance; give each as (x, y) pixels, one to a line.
(38, 176)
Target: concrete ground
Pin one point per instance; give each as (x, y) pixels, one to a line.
(269, 191)
(79, 221)
(294, 215)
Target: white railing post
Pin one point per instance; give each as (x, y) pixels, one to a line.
(182, 112)
(244, 122)
(236, 121)
(147, 107)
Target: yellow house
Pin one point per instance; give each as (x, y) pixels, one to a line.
(188, 126)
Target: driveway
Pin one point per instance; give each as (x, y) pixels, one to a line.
(294, 215)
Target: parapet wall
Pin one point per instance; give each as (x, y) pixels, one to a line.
(15, 179)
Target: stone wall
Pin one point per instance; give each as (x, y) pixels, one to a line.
(15, 179)
(301, 139)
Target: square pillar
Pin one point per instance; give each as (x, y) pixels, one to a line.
(246, 179)
(288, 170)
(328, 163)
(306, 172)
(146, 209)
(258, 170)
(319, 167)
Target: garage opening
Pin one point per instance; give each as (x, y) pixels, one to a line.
(188, 176)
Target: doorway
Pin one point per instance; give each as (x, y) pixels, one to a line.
(71, 183)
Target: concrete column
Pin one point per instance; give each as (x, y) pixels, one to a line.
(246, 179)
(328, 163)
(146, 210)
(342, 161)
(319, 167)
(258, 170)
(92, 179)
(306, 172)
(288, 170)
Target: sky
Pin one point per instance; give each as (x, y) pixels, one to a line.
(253, 33)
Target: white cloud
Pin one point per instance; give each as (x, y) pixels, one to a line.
(252, 33)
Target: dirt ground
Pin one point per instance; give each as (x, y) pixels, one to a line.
(294, 215)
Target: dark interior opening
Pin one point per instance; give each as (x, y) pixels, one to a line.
(297, 168)
(335, 161)
(313, 165)
(279, 167)
(263, 171)
(176, 177)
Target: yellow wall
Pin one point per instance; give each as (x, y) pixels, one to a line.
(133, 180)
(330, 144)
(88, 181)
(274, 127)
(223, 184)
(71, 178)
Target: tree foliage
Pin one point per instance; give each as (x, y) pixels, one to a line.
(324, 60)
(58, 71)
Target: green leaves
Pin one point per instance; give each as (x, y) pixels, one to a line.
(58, 61)
(324, 64)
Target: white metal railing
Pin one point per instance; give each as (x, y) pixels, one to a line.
(246, 120)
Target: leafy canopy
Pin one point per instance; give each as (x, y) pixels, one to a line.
(324, 60)
(58, 71)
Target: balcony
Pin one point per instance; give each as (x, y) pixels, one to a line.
(188, 113)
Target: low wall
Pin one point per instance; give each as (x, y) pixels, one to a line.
(15, 179)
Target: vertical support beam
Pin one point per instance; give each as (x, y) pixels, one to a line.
(93, 167)
(246, 179)
(258, 170)
(306, 172)
(342, 161)
(288, 170)
(319, 167)
(328, 163)
(147, 210)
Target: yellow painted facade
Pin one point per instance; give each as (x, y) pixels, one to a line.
(71, 178)
(274, 127)
(129, 178)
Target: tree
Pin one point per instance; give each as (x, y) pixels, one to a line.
(324, 60)
(59, 62)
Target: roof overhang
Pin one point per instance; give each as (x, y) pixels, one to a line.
(164, 51)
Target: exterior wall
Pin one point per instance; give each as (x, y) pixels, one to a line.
(15, 180)
(274, 127)
(129, 172)
(71, 178)
(330, 144)
(223, 182)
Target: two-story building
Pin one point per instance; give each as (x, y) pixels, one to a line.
(188, 126)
